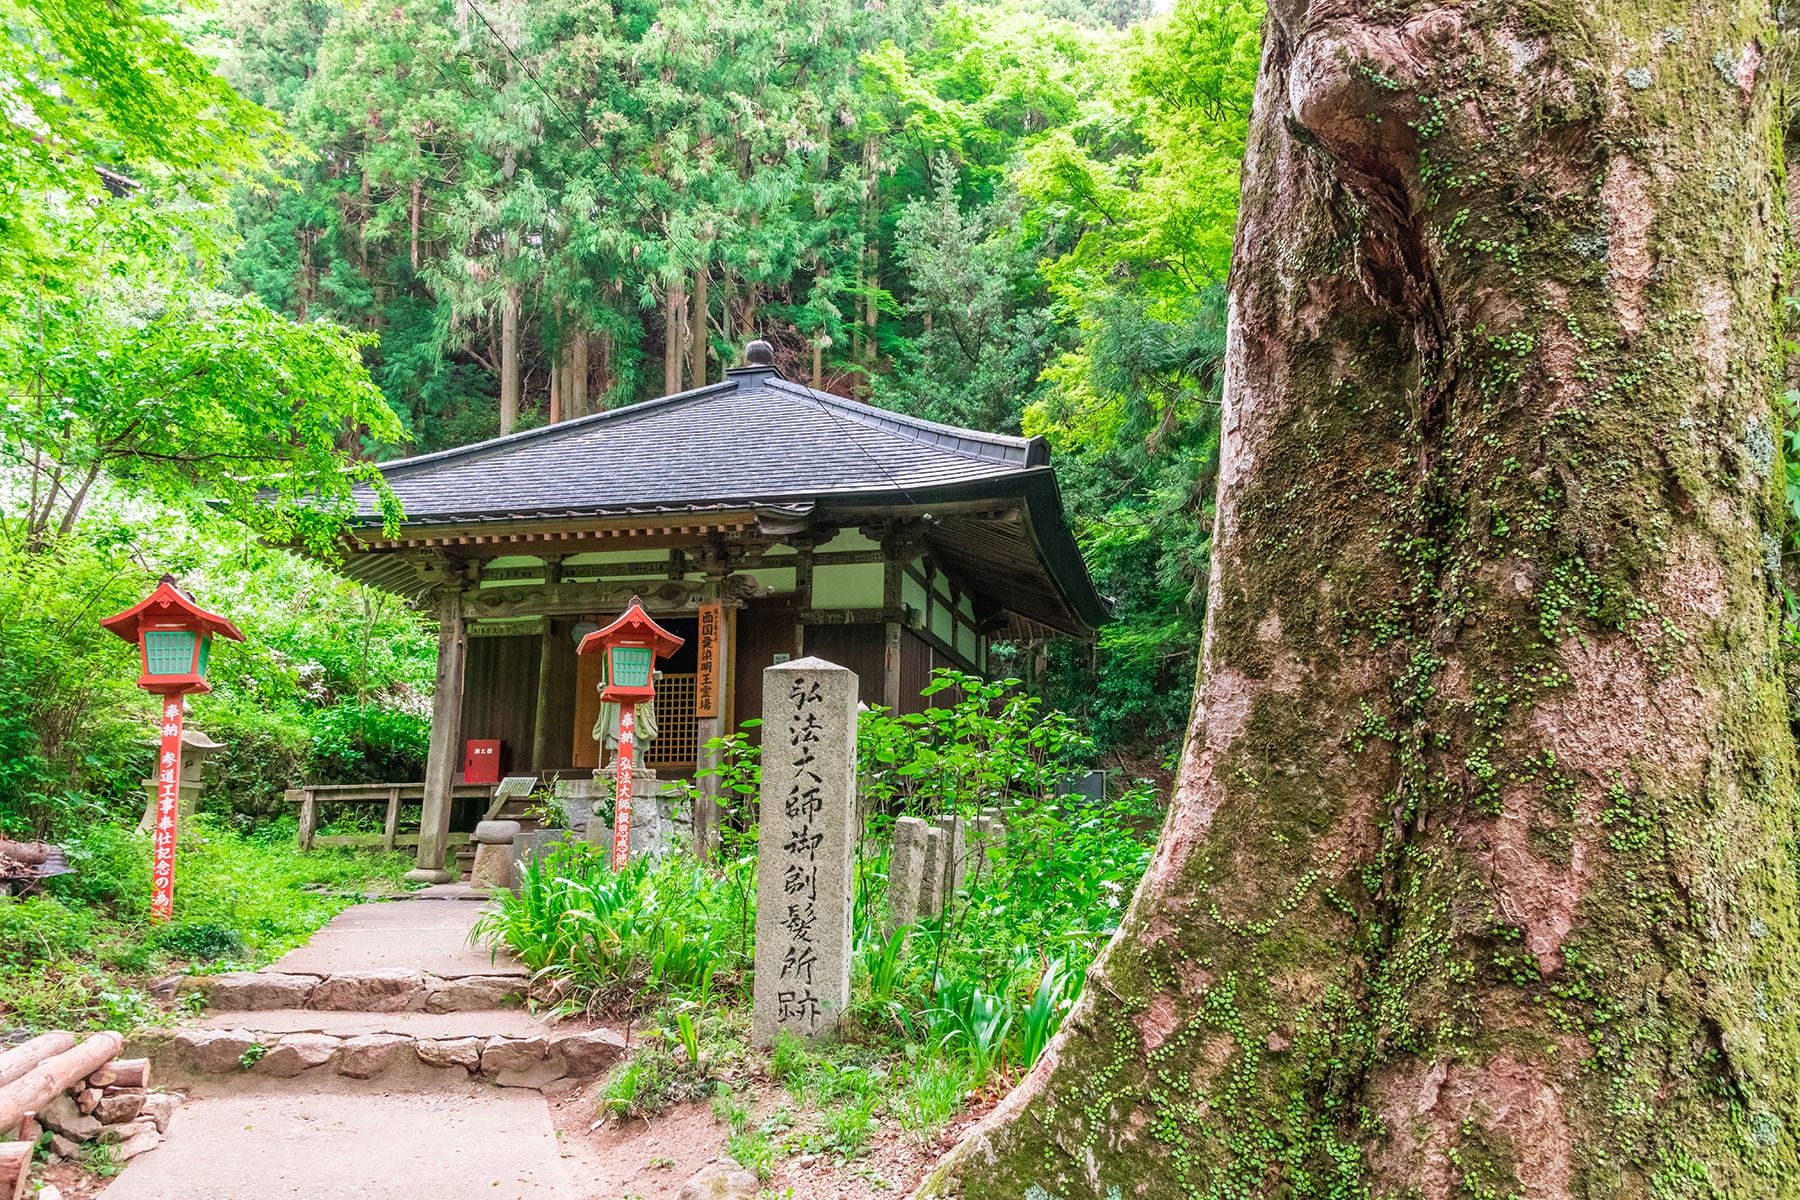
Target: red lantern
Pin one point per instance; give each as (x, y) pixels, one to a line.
(174, 637)
(631, 644)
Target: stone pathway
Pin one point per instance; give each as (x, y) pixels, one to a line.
(386, 1057)
(408, 935)
(337, 1139)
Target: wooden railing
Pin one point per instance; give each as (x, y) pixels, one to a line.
(395, 796)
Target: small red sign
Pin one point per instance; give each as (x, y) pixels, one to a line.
(481, 761)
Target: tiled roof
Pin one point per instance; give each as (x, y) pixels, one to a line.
(757, 440)
(753, 438)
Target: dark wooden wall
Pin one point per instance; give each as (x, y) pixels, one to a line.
(500, 697)
(500, 688)
(762, 633)
(918, 659)
(859, 647)
(560, 715)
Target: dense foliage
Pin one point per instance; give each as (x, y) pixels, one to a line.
(124, 362)
(334, 686)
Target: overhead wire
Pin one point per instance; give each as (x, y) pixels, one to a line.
(531, 75)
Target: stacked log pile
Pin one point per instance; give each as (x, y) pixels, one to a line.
(79, 1092)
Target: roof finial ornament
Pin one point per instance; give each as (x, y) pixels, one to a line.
(759, 354)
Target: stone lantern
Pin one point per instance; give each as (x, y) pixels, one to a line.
(196, 748)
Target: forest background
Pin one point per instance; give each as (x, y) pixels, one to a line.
(311, 234)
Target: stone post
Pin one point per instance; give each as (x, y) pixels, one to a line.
(932, 870)
(956, 853)
(906, 871)
(805, 857)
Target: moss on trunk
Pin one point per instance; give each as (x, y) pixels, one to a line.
(1480, 876)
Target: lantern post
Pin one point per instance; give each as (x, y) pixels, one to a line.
(629, 648)
(174, 639)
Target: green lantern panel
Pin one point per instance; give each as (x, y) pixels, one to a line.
(631, 666)
(169, 651)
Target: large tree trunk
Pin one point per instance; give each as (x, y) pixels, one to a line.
(602, 387)
(578, 375)
(1479, 877)
(870, 349)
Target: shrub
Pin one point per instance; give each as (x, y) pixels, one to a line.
(74, 731)
(665, 924)
(40, 929)
(264, 753)
(367, 743)
(198, 941)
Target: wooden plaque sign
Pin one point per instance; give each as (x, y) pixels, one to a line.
(706, 683)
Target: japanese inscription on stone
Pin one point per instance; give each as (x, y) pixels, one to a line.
(806, 851)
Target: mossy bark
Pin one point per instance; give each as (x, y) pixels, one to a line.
(1480, 877)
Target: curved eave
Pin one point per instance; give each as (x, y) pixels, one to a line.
(1078, 609)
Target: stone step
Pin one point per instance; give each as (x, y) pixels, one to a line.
(497, 1022)
(388, 990)
(541, 1059)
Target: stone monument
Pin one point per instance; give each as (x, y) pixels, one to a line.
(805, 855)
(493, 867)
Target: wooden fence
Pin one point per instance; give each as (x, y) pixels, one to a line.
(395, 796)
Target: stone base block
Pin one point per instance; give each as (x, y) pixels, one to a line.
(493, 867)
(430, 875)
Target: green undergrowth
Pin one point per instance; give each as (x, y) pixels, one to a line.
(941, 1010)
(81, 953)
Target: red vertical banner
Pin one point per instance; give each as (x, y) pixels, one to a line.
(168, 813)
(622, 798)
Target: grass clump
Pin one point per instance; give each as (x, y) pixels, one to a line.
(80, 955)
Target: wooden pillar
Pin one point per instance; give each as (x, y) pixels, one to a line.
(309, 818)
(446, 737)
(803, 594)
(390, 828)
(891, 570)
(708, 818)
(546, 680)
(546, 687)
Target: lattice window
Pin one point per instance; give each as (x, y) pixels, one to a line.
(169, 652)
(676, 743)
